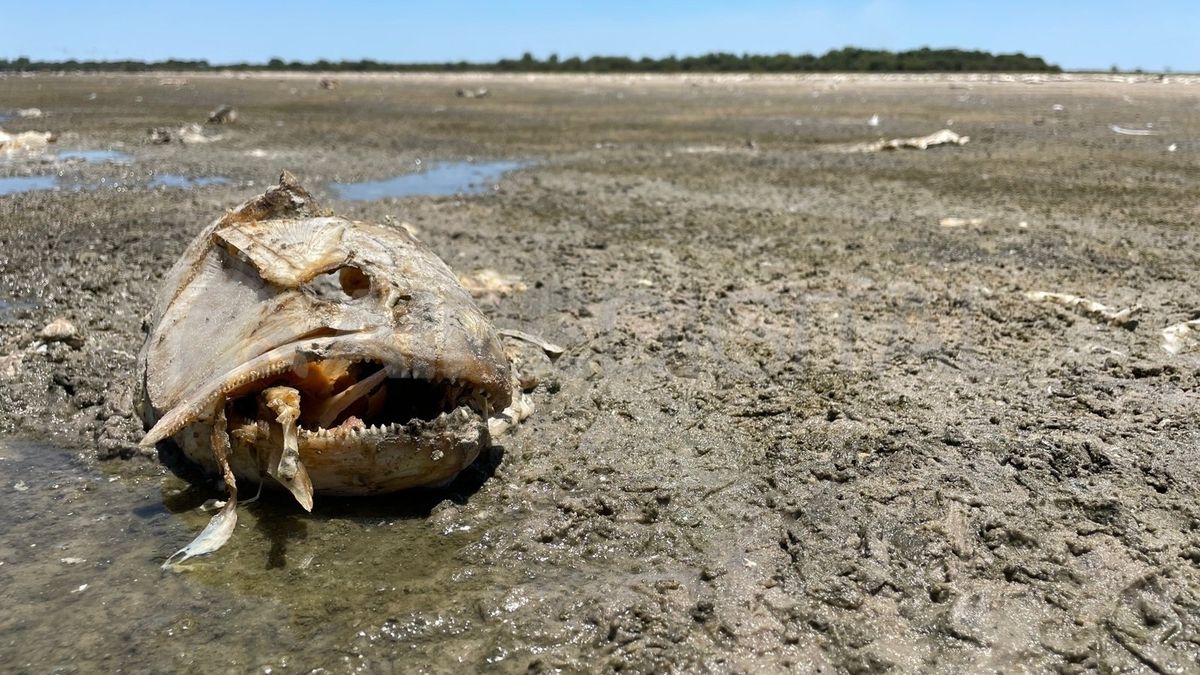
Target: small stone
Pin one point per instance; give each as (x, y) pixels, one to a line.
(61, 330)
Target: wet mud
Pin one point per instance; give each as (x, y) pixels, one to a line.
(799, 424)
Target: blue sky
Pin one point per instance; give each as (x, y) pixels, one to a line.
(1148, 34)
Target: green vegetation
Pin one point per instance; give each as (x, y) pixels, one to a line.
(849, 60)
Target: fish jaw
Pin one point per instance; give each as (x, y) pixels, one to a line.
(355, 460)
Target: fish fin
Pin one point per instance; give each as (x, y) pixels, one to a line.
(220, 527)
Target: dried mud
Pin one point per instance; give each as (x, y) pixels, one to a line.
(799, 425)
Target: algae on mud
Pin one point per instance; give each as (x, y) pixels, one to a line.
(797, 424)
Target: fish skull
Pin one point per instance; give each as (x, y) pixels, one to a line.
(341, 357)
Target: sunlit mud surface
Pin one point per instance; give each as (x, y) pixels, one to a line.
(808, 416)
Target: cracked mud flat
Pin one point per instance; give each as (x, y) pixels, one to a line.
(798, 425)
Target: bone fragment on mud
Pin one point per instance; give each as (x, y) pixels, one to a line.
(552, 350)
(942, 137)
(952, 221)
(1088, 307)
(1125, 131)
(490, 285)
(1181, 337)
(220, 527)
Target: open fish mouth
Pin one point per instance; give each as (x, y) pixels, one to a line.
(357, 422)
(339, 396)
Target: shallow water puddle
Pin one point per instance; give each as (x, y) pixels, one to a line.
(171, 180)
(79, 567)
(439, 179)
(22, 184)
(18, 184)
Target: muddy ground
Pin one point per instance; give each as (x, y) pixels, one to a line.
(799, 424)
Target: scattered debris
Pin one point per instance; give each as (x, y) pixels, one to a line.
(61, 330)
(1172, 147)
(188, 134)
(82, 588)
(172, 82)
(552, 350)
(1057, 107)
(943, 137)
(10, 366)
(1096, 310)
(25, 143)
(329, 83)
(71, 561)
(20, 486)
(224, 114)
(1181, 337)
(481, 92)
(874, 121)
(951, 221)
(521, 408)
(491, 286)
(30, 113)
(1125, 131)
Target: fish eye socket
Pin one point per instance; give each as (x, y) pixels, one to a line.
(343, 284)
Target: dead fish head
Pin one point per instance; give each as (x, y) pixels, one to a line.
(338, 354)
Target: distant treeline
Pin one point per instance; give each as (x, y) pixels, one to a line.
(848, 60)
